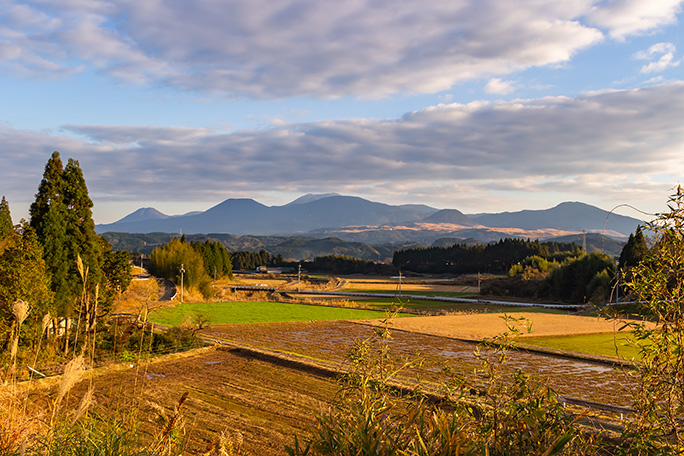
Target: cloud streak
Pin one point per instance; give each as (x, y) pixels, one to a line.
(308, 48)
(665, 54)
(601, 143)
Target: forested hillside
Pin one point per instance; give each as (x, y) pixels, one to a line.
(492, 258)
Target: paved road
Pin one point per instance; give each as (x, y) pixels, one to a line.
(169, 290)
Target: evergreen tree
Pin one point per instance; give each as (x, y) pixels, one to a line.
(217, 260)
(81, 236)
(49, 192)
(576, 280)
(6, 226)
(116, 269)
(634, 251)
(48, 220)
(62, 218)
(53, 237)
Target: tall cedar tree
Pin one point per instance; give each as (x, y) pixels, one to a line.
(6, 227)
(82, 239)
(48, 219)
(62, 218)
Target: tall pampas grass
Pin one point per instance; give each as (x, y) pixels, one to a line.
(72, 374)
(20, 310)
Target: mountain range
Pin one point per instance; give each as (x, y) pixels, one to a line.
(357, 219)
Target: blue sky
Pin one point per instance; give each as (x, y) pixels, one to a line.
(477, 105)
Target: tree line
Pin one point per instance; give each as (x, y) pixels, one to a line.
(493, 258)
(198, 261)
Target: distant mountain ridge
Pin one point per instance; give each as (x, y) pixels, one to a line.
(246, 216)
(570, 216)
(357, 219)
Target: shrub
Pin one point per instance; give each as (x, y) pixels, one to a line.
(658, 284)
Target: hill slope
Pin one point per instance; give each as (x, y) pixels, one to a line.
(571, 216)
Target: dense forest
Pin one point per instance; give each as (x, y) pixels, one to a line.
(196, 263)
(496, 258)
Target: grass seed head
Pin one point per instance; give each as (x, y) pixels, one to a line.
(20, 309)
(72, 374)
(46, 321)
(86, 401)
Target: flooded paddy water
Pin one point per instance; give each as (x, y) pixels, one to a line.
(332, 341)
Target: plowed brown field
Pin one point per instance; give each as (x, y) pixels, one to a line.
(268, 400)
(228, 390)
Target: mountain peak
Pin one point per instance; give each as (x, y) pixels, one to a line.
(236, 203)
(144, 213)
(450, 216)
(310, 197)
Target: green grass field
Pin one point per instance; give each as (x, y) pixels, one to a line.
(257, 312)
(598, 344)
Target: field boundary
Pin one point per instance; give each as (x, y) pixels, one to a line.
(119, 366)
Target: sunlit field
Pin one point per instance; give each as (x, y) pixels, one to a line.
(606, 344)
(256, 312)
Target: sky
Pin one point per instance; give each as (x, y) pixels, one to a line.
(475, 105)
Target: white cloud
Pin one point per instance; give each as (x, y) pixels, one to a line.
(628, 17)
(499, 86)
(665, 54)
(551, 144)
(289, 48)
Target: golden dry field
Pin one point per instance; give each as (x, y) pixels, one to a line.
(489, 325)
(406, 285)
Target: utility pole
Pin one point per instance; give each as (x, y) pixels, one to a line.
(182, 271)
(399, 283)
(299, 277)
(479, 283)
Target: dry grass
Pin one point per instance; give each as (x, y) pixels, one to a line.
(487, 326)
(255, 280)
(407, 286)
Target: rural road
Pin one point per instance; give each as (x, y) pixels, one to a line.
(442, 298)
(169, 290)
